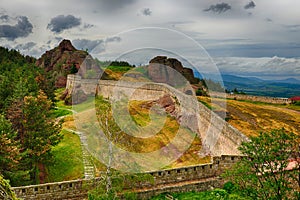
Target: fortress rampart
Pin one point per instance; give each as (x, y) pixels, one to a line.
(273, 100)
(191, 178)
(219, 137)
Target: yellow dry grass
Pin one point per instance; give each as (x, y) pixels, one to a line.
(254, 117)
(139, 111)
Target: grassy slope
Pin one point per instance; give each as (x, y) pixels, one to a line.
(248, 117)
(216, 194)
(253, 117)
(140, 114)
(67, 163)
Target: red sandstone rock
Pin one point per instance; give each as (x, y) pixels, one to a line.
(169, 70)
(168, 103)
(64, 58)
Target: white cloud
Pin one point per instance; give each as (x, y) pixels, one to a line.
(231, 33)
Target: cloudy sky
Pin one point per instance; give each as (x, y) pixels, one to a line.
(243, 37)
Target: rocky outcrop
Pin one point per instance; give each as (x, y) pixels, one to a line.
(66, 59)
(169, 104)
(169, 70)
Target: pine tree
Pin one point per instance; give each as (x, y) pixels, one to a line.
(41, 132)
(9, 150)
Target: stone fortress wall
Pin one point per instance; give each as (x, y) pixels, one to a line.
(191, 178)
(273, 100)
(221, 137)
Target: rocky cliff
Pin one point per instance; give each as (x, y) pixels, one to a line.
(169, 70)
(66, 59)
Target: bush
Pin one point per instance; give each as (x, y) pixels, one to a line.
(297, 103)
(5, 191)
(262, 173)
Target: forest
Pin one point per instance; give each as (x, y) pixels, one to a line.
(28, 129)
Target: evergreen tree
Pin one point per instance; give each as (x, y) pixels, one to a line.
(41, 132)
(9, 147)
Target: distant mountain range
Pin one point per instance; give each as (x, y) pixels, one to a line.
(255, 86)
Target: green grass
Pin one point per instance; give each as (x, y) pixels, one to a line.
(67, 163)
(216, 194)
(294, 107)
(61, 104)
(206, 104)
(58, 112)
(86, 105)
(119, 68)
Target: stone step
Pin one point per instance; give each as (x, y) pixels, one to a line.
(89, 169)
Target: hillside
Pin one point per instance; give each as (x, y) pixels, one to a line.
(254, 86)
(252, 117)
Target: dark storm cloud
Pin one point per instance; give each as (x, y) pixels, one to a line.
(26, 46)
(22, 29)
(219, 8)
(146, 12)
(4, 18)
(94, 46)
(63, 22)
(88, 25)
(249, 5)
(115, 4)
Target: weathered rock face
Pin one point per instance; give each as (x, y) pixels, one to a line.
(168, 103)
(169, 70)
(66, 59)
(64, 56)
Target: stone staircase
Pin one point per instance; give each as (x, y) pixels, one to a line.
(89, 169)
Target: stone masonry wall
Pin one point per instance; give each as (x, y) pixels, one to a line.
(192, 178)
(273, 100)
(220, 137)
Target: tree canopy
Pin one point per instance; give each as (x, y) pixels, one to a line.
(270, 168)
(27, 129)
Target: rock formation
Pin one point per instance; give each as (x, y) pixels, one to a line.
(66, 59)
(169, 70)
